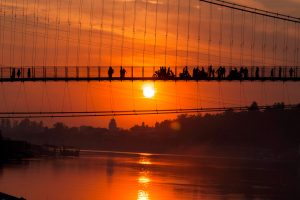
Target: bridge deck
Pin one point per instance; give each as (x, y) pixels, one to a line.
(84, 79)
(89, 73)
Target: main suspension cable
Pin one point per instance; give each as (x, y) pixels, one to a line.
(18, 115)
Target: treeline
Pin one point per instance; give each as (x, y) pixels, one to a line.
(275, 129)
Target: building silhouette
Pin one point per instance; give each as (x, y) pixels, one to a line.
(112, 125)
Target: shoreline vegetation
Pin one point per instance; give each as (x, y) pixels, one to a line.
(272, 133)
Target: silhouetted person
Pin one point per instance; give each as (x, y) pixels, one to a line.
(203, 74)
(242, 72)
(196, 73)
(272, 73)
(223, 72)
(257, 72)
(19, 73)
(213, 73)
(219, 72)
(291, 71)
(110, 72)
(280, 72)
(164, 73)
(246, 73)
(170, 74)
(122, 72)
(28, 73)
(234, 74)
(185, 73)
(210, 71)
(13, 73)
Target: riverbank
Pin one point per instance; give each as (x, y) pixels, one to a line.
(14, 150)
(9, 197)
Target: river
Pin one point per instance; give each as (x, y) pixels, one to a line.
(138, 176)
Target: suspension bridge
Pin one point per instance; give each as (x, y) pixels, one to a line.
(25, 74)
(160, 40)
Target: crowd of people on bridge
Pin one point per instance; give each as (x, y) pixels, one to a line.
(164, 73)
(220, 73)
(17, 73)
(198, 73)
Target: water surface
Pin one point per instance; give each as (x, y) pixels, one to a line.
(128, 176)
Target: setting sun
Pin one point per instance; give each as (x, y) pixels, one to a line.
(148, 91)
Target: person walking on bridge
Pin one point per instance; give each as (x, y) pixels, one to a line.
(110, 72)
(28, 73)
(257, 73)
(291, 71)
(19, 73)
(272, 73)
(280, 72)
(13, 73)
(122, 72)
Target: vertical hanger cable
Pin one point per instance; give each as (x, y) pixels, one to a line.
(155, 35)
(123, 31)
(90, 33)
(68, 32)
(209, 35)
(145, 31)
(112, 32)
(3, 29)
(177, 33)
(242, 39)
(57, 32)
(199, 32)
(221, 36)
(100, 62)
(232, 17)
(133, 34)
(79, 33)
(167, 32)
(188, 34)
(46, 32)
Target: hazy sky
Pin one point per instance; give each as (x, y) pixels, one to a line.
(288, 7)
(142, 33)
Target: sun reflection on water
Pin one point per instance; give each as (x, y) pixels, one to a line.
(144, 178)
(144, 160)
(143, 195)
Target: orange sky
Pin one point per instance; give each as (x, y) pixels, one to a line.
(45, 32)
(129, 96)
(59, 33)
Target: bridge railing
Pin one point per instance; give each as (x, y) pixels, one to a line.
(148, 72)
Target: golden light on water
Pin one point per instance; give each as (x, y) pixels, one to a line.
(144, 180)
(144, 160)
(143, 195)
